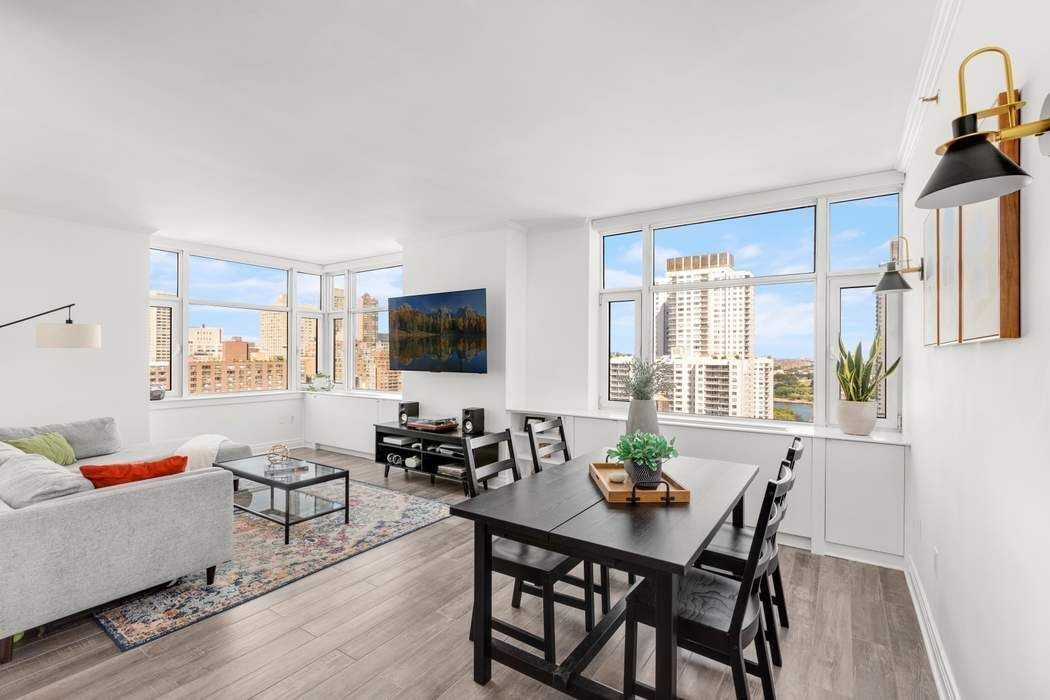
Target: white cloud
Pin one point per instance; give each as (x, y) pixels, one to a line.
(660, 256)
(615, 279)
(848, 234)
(748, 252)
(778, 317)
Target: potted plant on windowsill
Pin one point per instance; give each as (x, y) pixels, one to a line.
(859, 380)
(643, 456)
(645, 380)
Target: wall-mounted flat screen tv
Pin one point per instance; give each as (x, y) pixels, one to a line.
(443, 332)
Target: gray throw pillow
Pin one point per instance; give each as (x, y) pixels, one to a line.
(88, 438)
(32, 479)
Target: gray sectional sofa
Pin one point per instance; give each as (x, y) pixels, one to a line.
(68, 547)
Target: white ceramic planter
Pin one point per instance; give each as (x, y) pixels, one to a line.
(857, 417)
(641, 416)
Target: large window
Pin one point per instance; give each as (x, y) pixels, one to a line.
(219, 326)
(735, 306)
(236, 327)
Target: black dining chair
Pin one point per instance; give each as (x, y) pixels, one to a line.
(718, 616)
(536, 569)
(545, 445)
(728, 551)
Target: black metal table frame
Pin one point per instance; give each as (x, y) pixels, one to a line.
(289, 488)
(567, 676)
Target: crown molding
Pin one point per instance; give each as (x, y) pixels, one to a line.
(941, 32)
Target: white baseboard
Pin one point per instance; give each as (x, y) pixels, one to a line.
(866, 556)
(352, 453)
(260, 448)
(942, 671)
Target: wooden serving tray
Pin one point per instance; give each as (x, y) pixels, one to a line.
(621, 493)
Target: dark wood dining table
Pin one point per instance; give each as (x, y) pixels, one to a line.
(562, 510)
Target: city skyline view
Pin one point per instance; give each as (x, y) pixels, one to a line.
(774, 243)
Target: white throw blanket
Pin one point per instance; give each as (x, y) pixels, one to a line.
(201, 450)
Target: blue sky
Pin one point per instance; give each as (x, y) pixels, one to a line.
(768, 244)
(223, 280)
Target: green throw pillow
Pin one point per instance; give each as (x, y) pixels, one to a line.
(50, 445)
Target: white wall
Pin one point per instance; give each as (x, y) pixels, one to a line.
(978, 479)
(46, 263)
(258, 421)
(559, 365)
(486, 259)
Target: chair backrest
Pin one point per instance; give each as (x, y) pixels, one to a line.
(794, 453)
(769, 518)
(787, 465)
(541, 451)
(477, 473)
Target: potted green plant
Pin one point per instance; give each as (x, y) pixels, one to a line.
(645, 381)
(643, 456)
(859, 380)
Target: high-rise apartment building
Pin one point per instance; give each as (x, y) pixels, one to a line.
(204, 341)
(619, 368)
(160, 346)
(372, 351)
(273, 332)
(708, 335)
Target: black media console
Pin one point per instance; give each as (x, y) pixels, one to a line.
(426, 446)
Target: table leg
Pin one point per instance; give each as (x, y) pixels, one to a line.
(666, 586)
(482, 603)
(346, 499)
(738, 513)
(287, 507)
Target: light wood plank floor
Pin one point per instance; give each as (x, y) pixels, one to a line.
(392, 622)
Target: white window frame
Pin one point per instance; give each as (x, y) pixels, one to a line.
(321, 366)
(350, 271)
(605, 299)
(820, 196)
(173, 302)
(182, 302)
(353, 311)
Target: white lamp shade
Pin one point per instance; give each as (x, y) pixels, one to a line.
(68, 335)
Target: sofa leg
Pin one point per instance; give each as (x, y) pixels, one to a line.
(211, 575)
(6, 649)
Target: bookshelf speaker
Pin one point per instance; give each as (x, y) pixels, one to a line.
(473, 421)
(406, 410)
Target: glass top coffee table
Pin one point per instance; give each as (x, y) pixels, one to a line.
(283, 502)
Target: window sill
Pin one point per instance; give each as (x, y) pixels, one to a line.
(356, 394)
(827, 432)
(177, 402)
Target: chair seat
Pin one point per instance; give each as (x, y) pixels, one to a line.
(525, 556)
(729, 549)
(705, 599)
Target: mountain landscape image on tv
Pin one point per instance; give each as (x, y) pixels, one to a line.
(443, 332)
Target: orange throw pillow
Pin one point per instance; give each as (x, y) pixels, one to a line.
(113, 474)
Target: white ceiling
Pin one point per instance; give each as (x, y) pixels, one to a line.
(330, 130)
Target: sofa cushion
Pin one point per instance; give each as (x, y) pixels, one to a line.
(7, 452)
(88, 438)
(115, 474)
(30, 479)
(50, 445)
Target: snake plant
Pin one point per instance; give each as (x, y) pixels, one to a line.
(859, 378)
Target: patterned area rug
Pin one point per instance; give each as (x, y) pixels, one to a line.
(263, 563)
